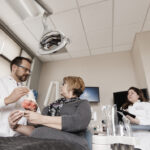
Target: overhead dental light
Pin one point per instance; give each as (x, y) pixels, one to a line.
(52, 40)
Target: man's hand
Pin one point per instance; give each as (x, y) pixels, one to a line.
(33, 117)
(16, 94)
(14, 117)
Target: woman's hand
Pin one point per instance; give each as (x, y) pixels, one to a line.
(133, 120)
(14, 117)
(49, 121)
(33, 117)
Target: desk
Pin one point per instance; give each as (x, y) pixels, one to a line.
(105, 142)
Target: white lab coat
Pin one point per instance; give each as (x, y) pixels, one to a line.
(142, 112)
(7, 85)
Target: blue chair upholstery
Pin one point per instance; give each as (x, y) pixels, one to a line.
(140, 127)
(88, 136)
(35, 94)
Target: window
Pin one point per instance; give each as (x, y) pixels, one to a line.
(8, 47)
(2, 39)
(4, 67)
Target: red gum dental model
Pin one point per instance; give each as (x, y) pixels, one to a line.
(29, 105)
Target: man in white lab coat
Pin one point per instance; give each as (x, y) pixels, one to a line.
(12, 93)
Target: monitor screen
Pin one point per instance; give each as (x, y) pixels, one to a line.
(91, 94)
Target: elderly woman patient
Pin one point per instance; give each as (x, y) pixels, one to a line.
(65, 119)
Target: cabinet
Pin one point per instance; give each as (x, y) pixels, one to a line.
(105, 142)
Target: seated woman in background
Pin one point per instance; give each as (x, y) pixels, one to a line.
(65, 119)
(137, 105)
(140, 107)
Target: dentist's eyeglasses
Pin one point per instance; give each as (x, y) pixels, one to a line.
(25, 69)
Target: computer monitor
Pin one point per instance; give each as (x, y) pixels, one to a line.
(91, 94)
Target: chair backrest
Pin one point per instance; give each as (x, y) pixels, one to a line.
(35, 94)
(88, 136)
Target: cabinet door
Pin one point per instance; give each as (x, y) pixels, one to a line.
(101, 147)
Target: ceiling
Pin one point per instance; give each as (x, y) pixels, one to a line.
(93, 26)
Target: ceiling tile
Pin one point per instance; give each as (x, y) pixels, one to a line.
(119, 48)
(86, 2)
(82, 53)
(77, 42)
(97, 16)
(70, 24)
(45, 58)
(35, 26)
(97, 22)
(101, 38)
(7, 14)
(60, 5)
(101, 50)
(21, 31)
(125, 34)
(61, 56)
(130, 11)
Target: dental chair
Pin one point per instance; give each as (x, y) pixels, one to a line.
(141, 127)
(88, 137)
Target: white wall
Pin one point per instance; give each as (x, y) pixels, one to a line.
(36, 69)
(142, 48)
(111, 72)
(139, 66)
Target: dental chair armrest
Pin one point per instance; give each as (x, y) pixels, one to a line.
(140, 127)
